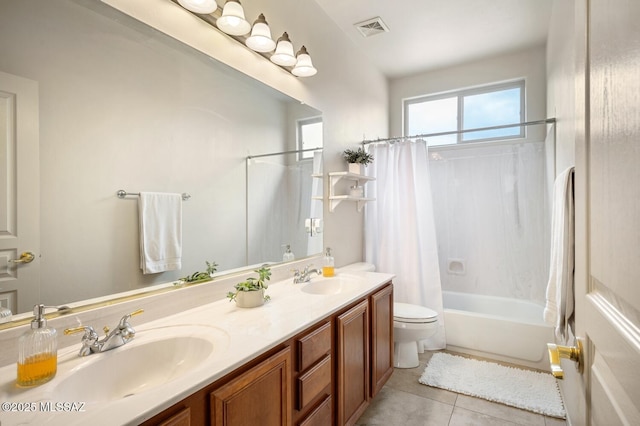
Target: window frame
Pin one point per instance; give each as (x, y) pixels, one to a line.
(299, 142)
(460, 96)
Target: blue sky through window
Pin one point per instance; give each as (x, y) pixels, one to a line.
(491, 109)
(501, 104)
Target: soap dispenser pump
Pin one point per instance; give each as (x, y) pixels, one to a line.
(288, 254)
(328, 265)
(37, 351)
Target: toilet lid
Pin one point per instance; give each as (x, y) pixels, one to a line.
(406, 312)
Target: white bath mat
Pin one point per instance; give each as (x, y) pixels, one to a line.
(529, 390)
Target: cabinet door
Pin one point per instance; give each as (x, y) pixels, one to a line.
(353, 363)
(381, 338)
(182, 418)
(261, 396)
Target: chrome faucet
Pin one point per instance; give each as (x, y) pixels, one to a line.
(91, 343)
(304, 276)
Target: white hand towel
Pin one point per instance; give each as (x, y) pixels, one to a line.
(560, 292)
(160, 232)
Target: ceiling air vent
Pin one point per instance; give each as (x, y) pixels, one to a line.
(372, 27)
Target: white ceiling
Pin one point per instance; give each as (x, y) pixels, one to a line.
(431, 34)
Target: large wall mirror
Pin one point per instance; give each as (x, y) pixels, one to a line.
(122, 106)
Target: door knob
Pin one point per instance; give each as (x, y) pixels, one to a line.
(25, 257)
(556, 352)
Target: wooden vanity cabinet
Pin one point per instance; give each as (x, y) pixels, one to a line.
(263, 385)
(381, 306)
(352, 355)
(260, 396)
(325, 375)
(364, 353)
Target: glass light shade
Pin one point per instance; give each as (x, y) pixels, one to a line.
(232, 21)
(304, 67)
(199, 6)
(260, 39)
(284, 52)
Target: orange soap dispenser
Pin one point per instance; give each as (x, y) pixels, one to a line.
(37, 351)
(328, 266)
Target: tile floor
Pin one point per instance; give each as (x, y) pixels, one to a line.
(403, 401)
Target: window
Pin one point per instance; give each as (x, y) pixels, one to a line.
(489, 106)
(309, 136)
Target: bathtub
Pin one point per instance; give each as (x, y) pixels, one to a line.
(508, 330)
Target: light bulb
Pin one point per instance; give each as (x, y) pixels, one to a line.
(304, 67)
(199, 6)
(232, 21)
(260, 39)
(284, 52)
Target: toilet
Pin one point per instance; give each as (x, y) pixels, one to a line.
(411, 323)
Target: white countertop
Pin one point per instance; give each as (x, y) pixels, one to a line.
(242, 334)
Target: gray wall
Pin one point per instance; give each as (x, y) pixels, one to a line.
(178, 126)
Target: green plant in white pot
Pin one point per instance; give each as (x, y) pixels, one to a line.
(250, 293)
(356, 158)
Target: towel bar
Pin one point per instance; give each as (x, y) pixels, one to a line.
(122, 193)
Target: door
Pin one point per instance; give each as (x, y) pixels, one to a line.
(608, 219)
(19, 192)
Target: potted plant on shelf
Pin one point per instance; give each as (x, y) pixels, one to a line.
(356, 159)
(250, 293)
(198, 277)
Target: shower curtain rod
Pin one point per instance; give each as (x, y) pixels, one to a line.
(455, 132)
(249, 157)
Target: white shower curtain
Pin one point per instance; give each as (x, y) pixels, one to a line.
(400, 227)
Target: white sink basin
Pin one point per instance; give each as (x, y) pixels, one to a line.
(154, 358)
(330, 285)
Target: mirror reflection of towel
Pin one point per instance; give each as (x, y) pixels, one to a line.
(160, 232)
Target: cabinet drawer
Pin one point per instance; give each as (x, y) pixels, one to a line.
(314, 346)
(321, 416)
(313, 382)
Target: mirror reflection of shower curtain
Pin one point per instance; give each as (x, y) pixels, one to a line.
(279, 201)
(314, 243)
(400, 236)
(268, 198)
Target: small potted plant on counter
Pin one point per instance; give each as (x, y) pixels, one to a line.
(356, 159)
(250, 293)
(198, 277)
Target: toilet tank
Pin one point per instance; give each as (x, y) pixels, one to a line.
(359, 267)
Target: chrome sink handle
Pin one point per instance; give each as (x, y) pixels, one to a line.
(121, 335)
(125, 328)
(89, 339)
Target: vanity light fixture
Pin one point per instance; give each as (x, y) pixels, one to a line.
(260, 39)
(304, 67)
(199, 6)
(232, 21)
(284, 52)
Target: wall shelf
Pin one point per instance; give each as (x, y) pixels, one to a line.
(336, 199)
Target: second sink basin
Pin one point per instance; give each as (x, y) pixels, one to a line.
(155, 357)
